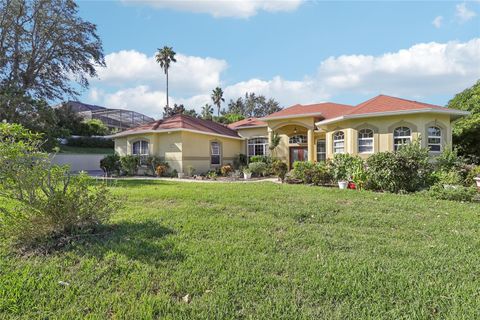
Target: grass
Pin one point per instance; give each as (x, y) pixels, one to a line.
(84, 150)
(261, 251)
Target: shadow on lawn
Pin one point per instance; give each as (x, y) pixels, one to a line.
(147, 242)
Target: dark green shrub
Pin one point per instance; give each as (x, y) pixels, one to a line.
(455, 193)
(240, 161)
(111, 164)
(264, 159)
(130, 164)
(280, 169)
(407, 170)
(90, 142)
(311, 173)
(174, 173)
(258, 168)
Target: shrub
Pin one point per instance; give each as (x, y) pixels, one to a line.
(407, 170)
(161, 170)
(448, 178)
(130, 164)
(212, 175)
(311, 173)
(258, 168)
(263, 159)
(190, 171)
(474, 172)
(240, 161)
(226, 170)
(280, 169)
(457, 193)
(90, 142)
(111, 164)
(343, 166)
(153, 162)
(174, 173)
(43, 201)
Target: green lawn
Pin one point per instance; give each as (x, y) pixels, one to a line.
(263, 251)
(83, 150)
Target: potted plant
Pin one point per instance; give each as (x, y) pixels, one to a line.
(181, 175)
(247, 173)
(477, 181)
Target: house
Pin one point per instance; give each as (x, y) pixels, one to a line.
(307, 132)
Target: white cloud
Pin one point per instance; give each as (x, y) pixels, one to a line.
(223, 8)
(463, 13)
(189, 74)
(437, 22)
(419, 71)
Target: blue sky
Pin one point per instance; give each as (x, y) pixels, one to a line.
(294, 51)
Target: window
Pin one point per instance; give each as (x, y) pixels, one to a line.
(215, 153)
(298, 138)
(365, 141)
(401, 137)
(339, 142)
(321, 150)
(435, 139)
(257, 147)
(140, 148)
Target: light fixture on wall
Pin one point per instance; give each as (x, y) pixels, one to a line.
(295, 130)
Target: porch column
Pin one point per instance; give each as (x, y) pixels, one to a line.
(270, 135)
(311, 146)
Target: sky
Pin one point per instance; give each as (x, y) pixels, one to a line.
(294, 51)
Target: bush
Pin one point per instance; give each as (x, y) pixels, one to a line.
(94, 127)
(190, 171)
(406, 170)
(90, 142)
(280, 169)
(475, 172)
(264, 159)
(130, 164)
(258, 168)
(311, 173)
(457, 193)
(174, 173)
(452, 178)
(161, 170)
(43, 201)
(226, 170)
(153, 162)
(240, 161)
(111, 164)
(343, 166)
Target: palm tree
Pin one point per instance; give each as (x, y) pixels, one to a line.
(165, 57)
(207, 112)
(217, 98)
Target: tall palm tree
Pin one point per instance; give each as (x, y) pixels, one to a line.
(207, 112)
(217, 98)
(165, 57)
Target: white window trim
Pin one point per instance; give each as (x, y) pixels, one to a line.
(440, 144)
(215, 154)
(264, 145)
(366, 139)
(338, 141)
(140, 149)
(401, 137)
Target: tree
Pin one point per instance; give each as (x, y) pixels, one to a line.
(275, 141)
(165, 57)
(176, 109)
(217, 98)
(44, 45)
(191, 113)
(466, 131)
(207, 112)
(253, 106)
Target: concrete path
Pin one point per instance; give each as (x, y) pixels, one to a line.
(274, 180)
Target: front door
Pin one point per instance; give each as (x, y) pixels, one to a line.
(298, 154)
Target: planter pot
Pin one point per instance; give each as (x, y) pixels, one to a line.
(342, 184)
(477, 181)
(181, 175)
(247, 175)
(449, 186)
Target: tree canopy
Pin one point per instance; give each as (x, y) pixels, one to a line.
(45, 47)
(466, 131)
(253, 106)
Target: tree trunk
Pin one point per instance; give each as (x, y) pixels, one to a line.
(166, 71)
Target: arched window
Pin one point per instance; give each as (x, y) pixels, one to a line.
(214, 153)
(401, 137)
(257, 146)
(435, 139)
(298, 138)
(339, 142)
(365, 141)
(140, 148)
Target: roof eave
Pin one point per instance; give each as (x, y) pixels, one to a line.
(126, 133)
(459, 113)
(301, 115)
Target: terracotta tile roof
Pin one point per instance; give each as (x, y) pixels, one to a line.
(383, 103)
(182, 121)
(245, 123)
(326, 110)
